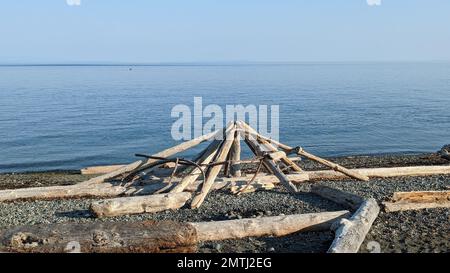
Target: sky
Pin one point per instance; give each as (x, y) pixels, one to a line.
(159, 31)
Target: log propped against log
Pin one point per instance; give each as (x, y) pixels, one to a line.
(151, 236)
(350, 233)
(417, 200)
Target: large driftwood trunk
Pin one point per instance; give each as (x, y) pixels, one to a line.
(147, 236)
(344, 198)
(139, 204)
(267, 226)
(418, 200)
(352, 232)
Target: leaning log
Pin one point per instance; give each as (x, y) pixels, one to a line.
(214, 170)
(417, 200)
(139, 204)
(337, 196)
(270, 163)
(166, 153)
(104, 237)
(267, 226)
(351, 233)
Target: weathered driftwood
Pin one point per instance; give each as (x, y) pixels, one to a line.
(139, 204)
(384, 172)
(302, 152)
(107, 190)
(268, 146)
(418, 200)
(244, 188)
(334, 166)
(271, 164)
(214, 170)
(235, 156)
(59, 192)
(109, 168)
(206, 158)
(166, 153)
(100, 169)
(350, 234)
(344, 198)
(267, 226)
(147, 236)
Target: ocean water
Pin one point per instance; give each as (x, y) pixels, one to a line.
(68, 117)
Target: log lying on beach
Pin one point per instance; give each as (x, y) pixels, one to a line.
(267, 226)
(60, 192)
(109, 168)
(105, 237)
(351, 233)
(344, 198)
(107, 190)
(139, 204)
(418, 200)
(384, 172)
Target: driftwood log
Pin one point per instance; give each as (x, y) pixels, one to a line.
(268, 146)
(147, 236)
(267, 226)
(108, 190)
(214, 170)
(349, 200)
(418, 200)
(139, 204)
(270, 163)
(350, 234)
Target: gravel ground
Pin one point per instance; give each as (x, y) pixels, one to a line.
(411, 231)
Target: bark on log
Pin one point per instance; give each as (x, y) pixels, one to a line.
(402, 206)
(352, 232)
(349, 200)
(418, 200)
(421, 196)
(139, 204)
(107, 237)
(267, 226)
(214, 170)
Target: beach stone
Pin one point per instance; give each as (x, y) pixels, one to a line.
(445, 152)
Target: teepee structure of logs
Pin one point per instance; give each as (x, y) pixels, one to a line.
(163, 181)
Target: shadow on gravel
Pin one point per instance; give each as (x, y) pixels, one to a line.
(75, 214)
(318, 202)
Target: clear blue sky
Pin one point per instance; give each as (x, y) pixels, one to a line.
(51, 31)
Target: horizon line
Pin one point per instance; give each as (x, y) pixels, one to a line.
(211, 63)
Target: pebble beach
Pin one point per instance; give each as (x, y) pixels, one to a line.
(426, 230)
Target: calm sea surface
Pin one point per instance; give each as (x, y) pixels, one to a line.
(68, 117)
